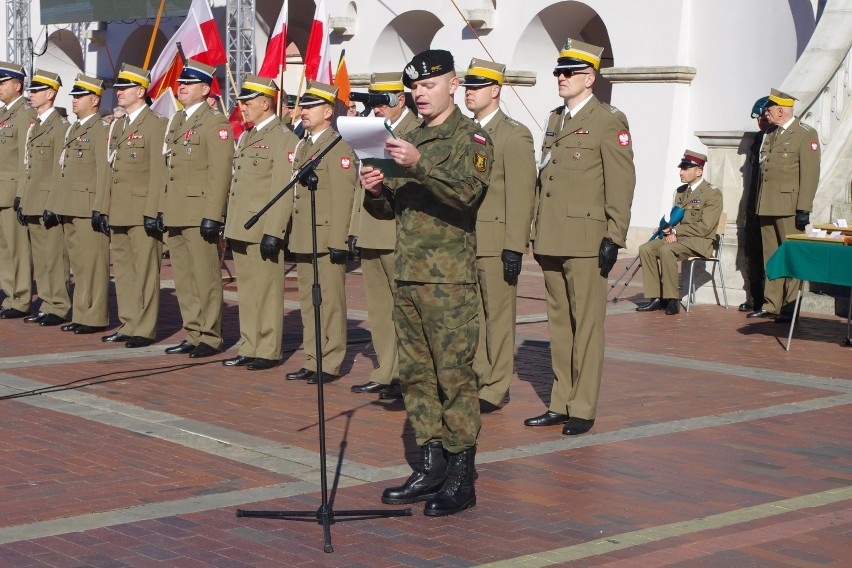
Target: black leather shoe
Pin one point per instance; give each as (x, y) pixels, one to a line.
(116, 337)
(202, 350)
(394, 391)
(50, 320)
(486, 407)
(326, 378)
(761, 314)
(36, 318)
(747, 306)
(183, 347)
(87, 329)
(369, 387)
(672, 307)
(655, 304)
(576, 426)
(300, 375)
(426, 480)
(784, 318)
(237, 361)
(12, 313)
(549, 418)
(260, 364)
(70, 327)
(137, 341)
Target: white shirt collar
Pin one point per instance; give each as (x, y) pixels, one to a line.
(45, 115)
(317, 135)
(787, 124)
(257, 127)
(488, 118)
(131, 116)
(695, 184)
(83, 121)
(191, 109)
(579, 106)
(15, 101)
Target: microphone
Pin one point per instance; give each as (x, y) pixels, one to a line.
(372, 99)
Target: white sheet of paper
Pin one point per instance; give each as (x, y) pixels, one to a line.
(841, 223)
(366, 135)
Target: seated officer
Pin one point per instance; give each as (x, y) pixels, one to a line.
(702, 205)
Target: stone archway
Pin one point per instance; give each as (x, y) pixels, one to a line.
(407, 34)
(136, 47)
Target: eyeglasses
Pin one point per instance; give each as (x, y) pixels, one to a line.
(567, 73)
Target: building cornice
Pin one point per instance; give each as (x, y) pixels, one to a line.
(660, 74)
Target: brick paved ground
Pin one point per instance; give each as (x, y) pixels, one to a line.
(713, 447)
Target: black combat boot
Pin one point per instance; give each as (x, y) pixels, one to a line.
(458, 492)
(424, 483)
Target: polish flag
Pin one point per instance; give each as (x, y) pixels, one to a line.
(238, 123)
(275, 60)
(200, 40)
(317, 61)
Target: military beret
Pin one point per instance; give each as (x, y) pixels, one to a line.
(132, 76)
(691, 159)
(578, 55)
(11, 71)
(44, 80)
(318, 93)
(255, 86)
(759, 107)
(481, 73)
(386, 82)
(427, 64)
(776, 97)
(84, 85)
(196, 72)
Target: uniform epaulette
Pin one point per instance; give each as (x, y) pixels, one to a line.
(216, 111)
(157, 114)
(807, 127)
(712, 186)
(512, 122)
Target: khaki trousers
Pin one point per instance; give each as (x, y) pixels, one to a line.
(198, 284)
(51, 268)
(260, 284)
(136, 264)
(779, 294)
(88, 252)
(16, 274)
(494, 363)
(576, 306)
(332, 312)
(377, 266)
(659, 267)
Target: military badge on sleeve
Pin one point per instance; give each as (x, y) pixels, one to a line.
(223, 134)
(480, 162)
(624, 138)
(814, 146)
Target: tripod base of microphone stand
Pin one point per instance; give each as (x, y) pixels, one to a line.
(325, 516)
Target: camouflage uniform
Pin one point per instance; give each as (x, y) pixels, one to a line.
(436, 304)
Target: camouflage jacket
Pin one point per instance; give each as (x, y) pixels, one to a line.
(436, 207)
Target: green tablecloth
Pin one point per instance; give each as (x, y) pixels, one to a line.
(812, 261)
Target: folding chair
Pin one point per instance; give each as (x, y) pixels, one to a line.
(716, 259)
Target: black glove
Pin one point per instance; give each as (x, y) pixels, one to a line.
(95, 217)
(269, 247)
(103, 224)
(19, 213)
(354, 249)
(161, 226)
(151, 228)
(607, 255)
(511, 265)
(338, 256)
(802, 219)
(210, 230)
(50, 219)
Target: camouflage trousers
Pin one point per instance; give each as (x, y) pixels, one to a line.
(437, 328)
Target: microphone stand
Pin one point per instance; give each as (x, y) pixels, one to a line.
(325, 514)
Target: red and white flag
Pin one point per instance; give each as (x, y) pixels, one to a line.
(275, 60)
(317, 61)
(200, 40)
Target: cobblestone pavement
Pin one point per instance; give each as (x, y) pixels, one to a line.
(713, 446)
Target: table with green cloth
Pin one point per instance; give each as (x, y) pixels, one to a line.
(813, 261)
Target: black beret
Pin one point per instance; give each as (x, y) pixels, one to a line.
(429, 63)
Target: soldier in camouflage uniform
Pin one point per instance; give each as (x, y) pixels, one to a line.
(447, 165)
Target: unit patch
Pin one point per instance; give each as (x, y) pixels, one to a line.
(624, 138)
(223, 134)
(480, 162)
(345, 163)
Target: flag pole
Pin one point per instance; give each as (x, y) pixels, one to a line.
(154, 34)
(298, 95)
(280, 88)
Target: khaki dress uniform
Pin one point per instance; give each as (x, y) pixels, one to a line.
(334, 197)
(789, 178)
(695, 234)
(199, 150)
(50, 258)
(586, 183)
(377, 240)
(132, 191)
(15, 258)
(262, 168)
(81, 173)
(502, 223)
